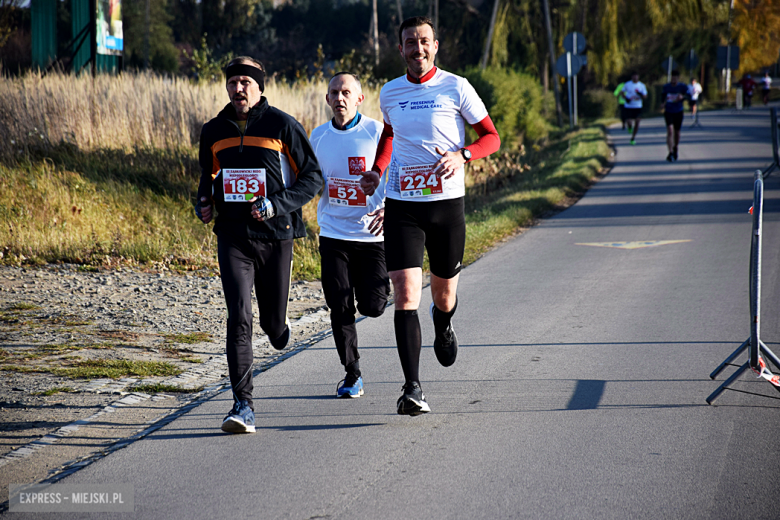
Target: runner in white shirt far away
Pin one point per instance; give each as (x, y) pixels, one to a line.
(766, 86)
(634, 91)
(425, 112)
(694, 91)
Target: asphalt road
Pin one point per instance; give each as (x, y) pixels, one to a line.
(580, 386)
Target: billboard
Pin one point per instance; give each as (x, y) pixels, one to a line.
(109, 27)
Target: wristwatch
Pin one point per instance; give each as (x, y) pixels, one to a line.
(466, 154)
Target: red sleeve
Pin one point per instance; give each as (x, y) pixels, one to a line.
(488, 142)
(384, 150)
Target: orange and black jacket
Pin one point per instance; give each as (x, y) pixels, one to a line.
(272, 140)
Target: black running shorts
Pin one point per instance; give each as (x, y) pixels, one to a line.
(414, 227)
(675, 119)
(633, 113)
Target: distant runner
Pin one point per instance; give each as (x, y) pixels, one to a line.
(694, 91)
(621, 99)
(748, 89)
(766, 86)
(674, 93)
(634, 91)
(351, 223)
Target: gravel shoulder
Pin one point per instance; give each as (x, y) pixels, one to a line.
(88, 359)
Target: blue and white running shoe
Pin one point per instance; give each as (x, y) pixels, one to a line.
(241, 419)
(351, 387)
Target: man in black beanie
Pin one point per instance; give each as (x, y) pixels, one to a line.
(257, 170)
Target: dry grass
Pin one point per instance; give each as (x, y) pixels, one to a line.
(134, 110)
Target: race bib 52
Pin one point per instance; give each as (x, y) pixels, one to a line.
(241, 185)
(345, 192)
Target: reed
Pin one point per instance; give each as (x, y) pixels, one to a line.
(131, 111)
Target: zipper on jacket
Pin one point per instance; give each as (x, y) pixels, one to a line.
(240, 146)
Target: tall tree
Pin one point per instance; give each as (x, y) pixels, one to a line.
(163, 54)
(757, 29)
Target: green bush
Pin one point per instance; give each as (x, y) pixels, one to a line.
(515, 102)
(599, 104)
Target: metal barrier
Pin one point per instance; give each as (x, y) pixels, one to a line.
(756, 346)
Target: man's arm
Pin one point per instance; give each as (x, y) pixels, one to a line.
(307, 170)
(488, 142)
(384, 152)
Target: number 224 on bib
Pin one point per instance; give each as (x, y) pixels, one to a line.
(419, 181)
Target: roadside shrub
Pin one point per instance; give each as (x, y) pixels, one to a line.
(599, 104)
(515, 102)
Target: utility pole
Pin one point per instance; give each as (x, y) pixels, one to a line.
(551, 47)
(728, 55)
(374, 32)
(147, 30)
(489, 40)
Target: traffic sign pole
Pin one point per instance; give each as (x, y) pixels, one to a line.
(568, 83)
(574, 36)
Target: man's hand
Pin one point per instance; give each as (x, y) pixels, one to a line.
(448, 164)
(377, 225)
(369, 182)
(203, 210)
(262, 209)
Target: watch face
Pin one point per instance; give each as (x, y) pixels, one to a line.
(466, 153)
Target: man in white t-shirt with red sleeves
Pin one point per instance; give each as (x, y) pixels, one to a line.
(351, 242)
(423, 148)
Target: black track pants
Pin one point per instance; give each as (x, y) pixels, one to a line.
(352, 270)
(266, 265)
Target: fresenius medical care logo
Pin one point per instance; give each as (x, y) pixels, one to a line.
(357, 165)
(423, 105)
(403, 105)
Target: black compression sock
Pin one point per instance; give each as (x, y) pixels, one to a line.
(354, 368)
(441, 319)
(409, 340)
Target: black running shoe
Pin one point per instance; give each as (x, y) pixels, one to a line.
(674, 154)
(669, 157)
(445, 345)
(413, 401)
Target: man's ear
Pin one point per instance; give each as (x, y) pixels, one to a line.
(360, 99)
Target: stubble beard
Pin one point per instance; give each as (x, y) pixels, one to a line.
(419, 67)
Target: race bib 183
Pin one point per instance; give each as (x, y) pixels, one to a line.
(419, 181)
(241, 185)
(345, 192)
